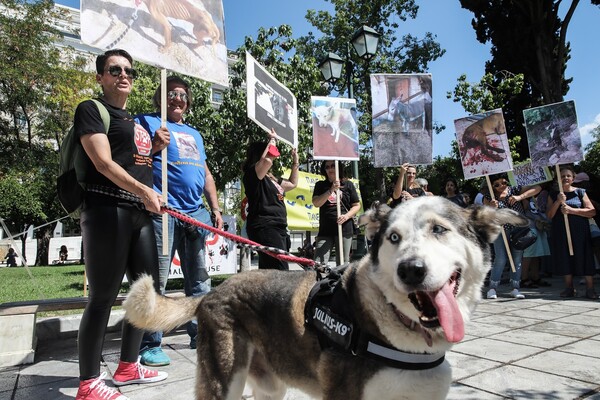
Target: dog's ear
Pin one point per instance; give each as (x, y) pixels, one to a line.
(487, 221)
(373, 218)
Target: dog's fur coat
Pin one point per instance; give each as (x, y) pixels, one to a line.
(428, 261)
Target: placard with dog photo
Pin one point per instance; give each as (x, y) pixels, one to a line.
(526, 174)
(553, 134)
(270, 103)
(483, 144)
(402, 105)
(335, 130)
(187, 36)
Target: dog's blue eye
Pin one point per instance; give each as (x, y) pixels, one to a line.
(394, 237)
(439, 229)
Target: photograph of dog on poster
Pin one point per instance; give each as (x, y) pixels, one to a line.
(483, 144)
(553, 134)
(402, 107)
(186, 36)
(270, 104)
(335, 128)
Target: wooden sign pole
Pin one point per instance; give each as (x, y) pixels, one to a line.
(567, 227)
(164, 166)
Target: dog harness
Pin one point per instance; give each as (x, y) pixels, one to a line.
(328, 311)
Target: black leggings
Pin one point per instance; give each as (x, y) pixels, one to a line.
(116, 240)
(272, 237)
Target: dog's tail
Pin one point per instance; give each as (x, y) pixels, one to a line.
(148, 310)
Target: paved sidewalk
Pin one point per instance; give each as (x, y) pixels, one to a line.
(542, 347)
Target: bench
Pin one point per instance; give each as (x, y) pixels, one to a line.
(19, 328)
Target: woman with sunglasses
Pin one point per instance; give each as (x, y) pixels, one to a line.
(413, 189)
(506, 196)
(576, 205)
(325, 196)
(118, 237)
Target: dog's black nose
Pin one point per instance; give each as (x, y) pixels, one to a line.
(412, 271)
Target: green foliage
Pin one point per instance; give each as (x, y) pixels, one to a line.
(591, 164)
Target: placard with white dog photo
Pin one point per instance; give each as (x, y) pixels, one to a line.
(335, 128)
(553, 134)
(186, 36)
(402, 106)
(270, 103)
(483, 144)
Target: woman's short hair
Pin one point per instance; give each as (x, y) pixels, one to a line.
(101, 59)
(422, 182)
(179, 81)
(324, 171)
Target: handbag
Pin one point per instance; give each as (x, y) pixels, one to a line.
(594, 229)
(522, 237)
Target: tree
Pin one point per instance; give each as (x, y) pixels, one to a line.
(591, 164)
(527, 37)
(407, 54)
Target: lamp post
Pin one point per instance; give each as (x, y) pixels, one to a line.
(364, 41)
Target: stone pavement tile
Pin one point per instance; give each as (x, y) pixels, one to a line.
(566, 329)
(568, 306)
(463, 392)
(528, 337)
(581, 319)
(474, 328)
(571, 366)
(166, 390)
(508, 321)
(590, 348)
(594, 313)
(519, 383)
(464, 365)
(535, 313)
(8, 379)
(487, 307)
(495, 350)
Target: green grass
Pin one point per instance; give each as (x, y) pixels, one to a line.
(40, 283)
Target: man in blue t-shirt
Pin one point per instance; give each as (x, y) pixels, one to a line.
(188, 179)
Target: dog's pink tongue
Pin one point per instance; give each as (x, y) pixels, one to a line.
(449, 315)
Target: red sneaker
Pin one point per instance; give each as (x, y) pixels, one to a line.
(96, 389)
(128, 373)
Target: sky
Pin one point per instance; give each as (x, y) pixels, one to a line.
(464, 54)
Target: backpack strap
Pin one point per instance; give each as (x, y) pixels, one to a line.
(103, 114)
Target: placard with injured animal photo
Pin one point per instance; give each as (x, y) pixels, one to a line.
(335, 128)
(483, 144)
(270, 103)
(553, 134)
(402, 106)
(186, 36)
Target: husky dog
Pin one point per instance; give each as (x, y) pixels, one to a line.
(475, 135)
(335, 117)
(408, 299)
(410, 111)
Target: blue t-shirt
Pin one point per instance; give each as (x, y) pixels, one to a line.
(186, 160)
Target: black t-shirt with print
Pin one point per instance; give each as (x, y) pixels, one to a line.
(266, 205)
(328, 211)
(414, 192)
(130, 143)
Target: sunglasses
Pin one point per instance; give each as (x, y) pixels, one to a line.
(116, 70)
(500, 184)
(172, 95)
(330, 166)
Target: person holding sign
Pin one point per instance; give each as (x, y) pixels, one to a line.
(576, 205)
(506, 196)
(266, 222)
(188, 180)
(118, 237)
(325, 196)
(412, 188)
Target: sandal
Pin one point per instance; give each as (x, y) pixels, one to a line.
(568, 292)
(591, 294)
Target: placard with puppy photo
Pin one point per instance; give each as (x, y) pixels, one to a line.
(553, 134)
(270, 104)
(335, 128)
(402, 106)
(483, 144)
(185, 36)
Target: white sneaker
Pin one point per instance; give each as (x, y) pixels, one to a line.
(491, 294)
(516, 294)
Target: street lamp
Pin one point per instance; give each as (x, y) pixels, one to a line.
(364, 41)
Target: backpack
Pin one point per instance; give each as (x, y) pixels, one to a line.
(74, 163)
